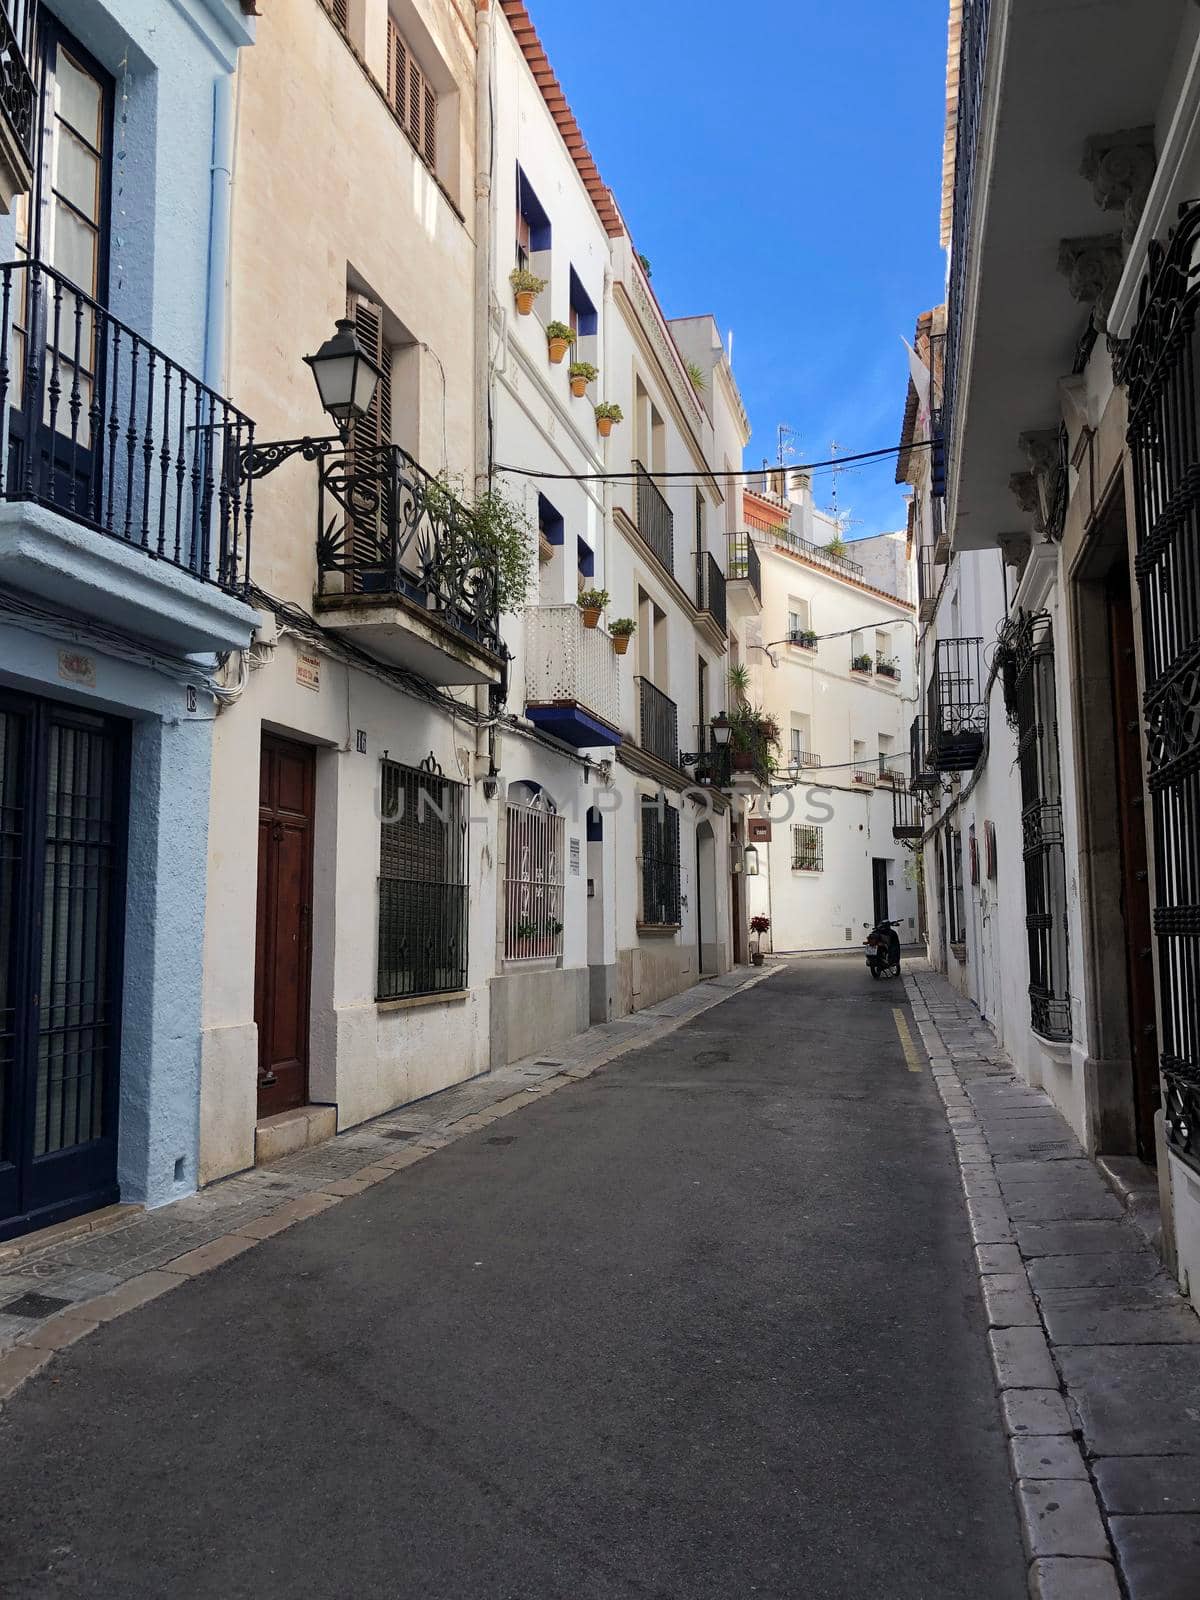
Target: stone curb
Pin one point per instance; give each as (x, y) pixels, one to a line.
(22, 1360)
(1067, 1544)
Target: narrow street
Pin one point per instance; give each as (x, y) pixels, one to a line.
(706, 1324)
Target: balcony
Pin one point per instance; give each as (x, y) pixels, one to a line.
(921, 775)
(888, 772)
(866, 776)
(400, 570)
(658, 723)
(816, 553)
(956, 712)
(887, 667)
(121, 496)
(710, 590)
(744, 563)
(17, 99)
(655, 521)
(908, 818)
(572, 678)
(801, 761)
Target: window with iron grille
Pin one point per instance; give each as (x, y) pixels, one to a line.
(660, 864)
(955, 906)
(1042, 826)
(534, 882)
(412, 97)
(422, 883)
(808, 848)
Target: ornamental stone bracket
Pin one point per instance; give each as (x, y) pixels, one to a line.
(1024, 486)
(1015, 548)
(1120, 168)
(1092, 268)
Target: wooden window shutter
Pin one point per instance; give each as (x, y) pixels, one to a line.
(339, 10)
(411, 96)
(370, 536)
(376, 426)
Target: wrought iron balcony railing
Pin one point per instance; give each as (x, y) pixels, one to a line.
(658, 723)
(107, 430)
(972, 61)
(921, 774)
(955, 711)
(386, 527)
(710, 588)
(888, 771)
(744, 562)
(908, 818)
(888, 667)
(17, 94)
(655, 520)
(867, 776)
(799, 760)
(817, 553)
(928, 580)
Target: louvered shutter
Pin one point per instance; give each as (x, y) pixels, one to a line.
(339, 10)
(370, 536)
(411, 96)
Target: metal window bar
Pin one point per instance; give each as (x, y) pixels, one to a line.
(955, 906)
(105, 428)
(907, 816)
(710, 588)
(661, 903)
(956, 713)
(422, 883)
(655, 520)
(658, 720)
(808, 848)
(1158, 367)
(922, 774)
(534, 884)
(1042, 827)
(385, 526)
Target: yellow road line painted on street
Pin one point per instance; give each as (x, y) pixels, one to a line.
(906, 1040)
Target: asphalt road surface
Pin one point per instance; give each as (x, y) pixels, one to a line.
(704, 1326)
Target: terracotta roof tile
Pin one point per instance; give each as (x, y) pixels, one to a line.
(556, 101)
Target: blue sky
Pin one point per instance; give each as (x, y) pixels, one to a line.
(779, 161)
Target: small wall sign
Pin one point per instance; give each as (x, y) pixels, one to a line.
(760, 830)
(574, 858)
(308, 670)
(75, 667)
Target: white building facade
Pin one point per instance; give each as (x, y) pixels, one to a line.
(1057, 596)
(832, 663)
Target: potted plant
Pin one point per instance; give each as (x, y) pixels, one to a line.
(738, 678)
(581, 373)
(696, 373)
(758, 926)
(621, 631)
(606, 415)
(753, 736)
(592, 602)
(560, 338)
(806, 638)
(861, 663)
(888, 666)
(526, 286)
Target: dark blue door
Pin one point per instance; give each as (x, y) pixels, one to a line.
(63, 826)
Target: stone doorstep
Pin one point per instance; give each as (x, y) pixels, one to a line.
(289, 1132)
(106, 1220)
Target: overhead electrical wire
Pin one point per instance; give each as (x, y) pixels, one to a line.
(699, 474)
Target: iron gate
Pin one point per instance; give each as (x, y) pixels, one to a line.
(63, 814)
(1159, 368)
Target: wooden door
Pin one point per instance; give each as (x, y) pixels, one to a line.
(879, 889)
(1135, 886)
(283, 952)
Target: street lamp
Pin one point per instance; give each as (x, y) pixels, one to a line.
(345, 375)
(751, 861)
(720, 729)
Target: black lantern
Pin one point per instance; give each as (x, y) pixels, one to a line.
(346, 377)
(720, 729)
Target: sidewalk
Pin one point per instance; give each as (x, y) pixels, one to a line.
(60, 1286)
(1096, 1353)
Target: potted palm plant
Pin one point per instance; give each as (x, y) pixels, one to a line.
(592, 602)
(581, 373)
(758, 926)
(526, 287)
(560, 338)
(621, 631)
(863, 663)
(606, 415)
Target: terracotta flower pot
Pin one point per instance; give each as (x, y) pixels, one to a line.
(525, 299)
(591, 616)
(621, 642)
(605, 426)
(579, 387)
(743, 761)
(558, 349)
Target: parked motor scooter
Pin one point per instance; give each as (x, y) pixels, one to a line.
(883, 950)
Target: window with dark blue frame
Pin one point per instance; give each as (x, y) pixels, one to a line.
(534, 238)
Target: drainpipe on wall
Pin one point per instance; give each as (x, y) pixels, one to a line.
(486, 700)
(221, 184)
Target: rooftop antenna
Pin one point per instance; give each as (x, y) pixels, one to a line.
(785, 436)
(842, 520)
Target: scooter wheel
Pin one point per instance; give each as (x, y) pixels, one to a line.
(875, 972)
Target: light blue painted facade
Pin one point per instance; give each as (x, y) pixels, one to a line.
(147, 629)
